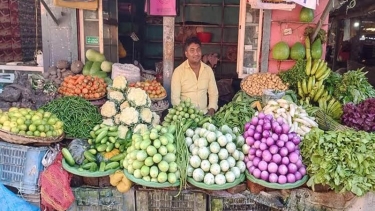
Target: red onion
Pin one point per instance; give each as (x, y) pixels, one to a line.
(258, 153)
(246, 159)
(269, 117)
(283, 170)
(272, 167)
(252, 127)
(245, 134)
(280, 120)
(283, 138)
(256, 144)
(266, 155)
(270, 141)
(251, 157)
(285, 128)
(263, 146)
(256, 161)
(296, 140)
(254, 121)
(282, 179)
(250, 141)
(292, 168)
(298, 175)
(261, 122)
(278, 130)
(263, 140)
(291, 178)
(302, 170)
(275, 136)
(285, 161)
(259, 129)
(257, 136)
(274, 149)
(261, 115)
(267, 126)
(264, 175)
(252, 151)
(280, 143)
(266, 134)
(247, 125)
(273, 178)
(283, 152)
(262, 165)
(290, 146)
(249, 164)
(299, 164)
(276, 158)
(293, 157)
(251, 169)
(256, 173)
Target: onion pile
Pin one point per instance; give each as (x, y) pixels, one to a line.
(274, 154)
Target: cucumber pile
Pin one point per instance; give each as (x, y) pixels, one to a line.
(105, 151)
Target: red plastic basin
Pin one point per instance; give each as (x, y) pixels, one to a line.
(204, 36)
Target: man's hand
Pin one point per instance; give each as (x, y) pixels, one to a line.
(211, 112)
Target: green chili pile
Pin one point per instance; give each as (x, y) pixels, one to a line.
(294, 74)
(79, 115)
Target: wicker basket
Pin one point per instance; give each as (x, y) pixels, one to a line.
(18, 139)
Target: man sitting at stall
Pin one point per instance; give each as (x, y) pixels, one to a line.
(195, 80)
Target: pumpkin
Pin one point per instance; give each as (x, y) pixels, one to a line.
(77, 147)
(105, 156)
(121, 51)
(124, 185)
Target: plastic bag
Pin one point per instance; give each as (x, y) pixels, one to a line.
(270, 94)
(11, 202)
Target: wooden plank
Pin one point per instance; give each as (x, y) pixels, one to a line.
(77, 5)
(265, 40)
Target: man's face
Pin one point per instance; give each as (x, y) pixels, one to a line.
(193, 53)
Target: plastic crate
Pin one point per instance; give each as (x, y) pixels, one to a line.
(101, 199)
(31, 198)
(20, 166)
(165, 200)
(235, 202)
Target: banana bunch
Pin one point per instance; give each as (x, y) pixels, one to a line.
(319, 69)
(332, 107)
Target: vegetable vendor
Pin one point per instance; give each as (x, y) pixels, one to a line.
(195, 80)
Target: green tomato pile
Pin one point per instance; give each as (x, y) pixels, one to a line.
(217, 154)
(185, 110)
(27, 122)
(152, 155)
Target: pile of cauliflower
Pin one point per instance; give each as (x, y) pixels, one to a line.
(128, 107)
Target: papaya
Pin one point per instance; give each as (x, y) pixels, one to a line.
(281, 51)
(306, 15)
(297, 51)
(316, 49)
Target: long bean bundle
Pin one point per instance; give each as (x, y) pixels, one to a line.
(79, 115)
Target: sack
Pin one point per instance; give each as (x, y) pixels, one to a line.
(11, 202)
(131, 72)
(55, 186)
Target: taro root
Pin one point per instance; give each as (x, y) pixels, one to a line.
(62, 64)
(76, 67)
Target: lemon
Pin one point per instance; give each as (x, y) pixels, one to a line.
(59, 124)
(6, 123)
(36, 133)
(35, 117)
(37, 122)
(28, 122)
(47, 114)
(3, 119)
(22, 133)
(41, 128)
(18, 115)
(29, 133)
(14, 130)
(6, 128)
(20, 121)
(49, 133)
(22, 127)
(13, 124)
(52, 121)
(11, 109)
(43, 134)
(32, 128)
(28, 116)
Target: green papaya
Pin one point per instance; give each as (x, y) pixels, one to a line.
(87, 67)
(280, 51)
(297, 51)
(306, 15)
(95, 68)
(316, 49)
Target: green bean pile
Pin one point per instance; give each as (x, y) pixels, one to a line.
(79, 115)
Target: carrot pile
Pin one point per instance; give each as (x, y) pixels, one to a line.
(85, 86)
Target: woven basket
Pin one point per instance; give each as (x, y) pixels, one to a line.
(18, 139)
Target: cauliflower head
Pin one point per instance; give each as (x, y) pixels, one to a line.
(116, 119)
(129, 116)
(119, 83)
(122, 131)
(155, 119)
(108, 122)
(138, 97)
(123, 105)
(115, 96)
(146, 115)
(108, 109)
(140, 128)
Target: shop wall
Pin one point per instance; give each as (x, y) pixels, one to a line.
(290, 19)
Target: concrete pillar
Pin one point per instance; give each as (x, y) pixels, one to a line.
(168, 53)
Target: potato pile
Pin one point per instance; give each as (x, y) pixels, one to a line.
(57, 73)
(255, 84)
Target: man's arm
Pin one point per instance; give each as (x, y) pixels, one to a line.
(213, 94)
(176, 88)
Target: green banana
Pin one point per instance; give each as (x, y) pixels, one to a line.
(315, 66)
(309, 84)
(308, 66)
(330, 104)
(304, 87)
(300, 92)
(325, 75)
(313, 91)
(318, 93)
(321, 71)
(307, 46)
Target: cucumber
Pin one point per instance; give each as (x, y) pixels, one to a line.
(94, 167)
(117, 145)
(110, 147)
(88, 166)
(117, 157)
(87, 67)
(112, 139)
(104, 140)
(113, 128)
(95, 68)
(102, 166)
(92, 151)
(68, 157)
(122, 148)
(90, 157)
(101, 130)
(112, 165)
(101, 135)
(97, 127)
(92, 134)
(89, 141)
(113, 133)
(101, 147)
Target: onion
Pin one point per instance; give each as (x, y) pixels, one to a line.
(285, 161)
(249, 164)
(245, 134)
(256, 173)
(298, 153)
(261, 115)
(293, 157)
(280, 120)
(261, 122)
(298, 175)
(282, 179)
(246, 159)
(290, 146)
(275, 136)
(296, 140)
(263, 140)
(283, 151)
(273, 178)
(276, 158)
(256, 144)
(252, 151)
(266, 134)
(272, 167)
(259, 129)
(251, 169)
(250, 132)
(283, 138)
(257, 136)
(263, 146)
(247, 125)
(283, 170)
(302, 170)
(299, 164)
(269, 117)
(274, 149)
(250, 140)
(285, 128)
(256, 161)
(258, 153)
(262, 165)
(278, 130)
(264, 175)
(252, 127)
(291, 178)
(292, 168)
(266, 155)
(280, 143)
(251, 157)
(290, 136)
(267, 126)
(254, 121)
(270, 141)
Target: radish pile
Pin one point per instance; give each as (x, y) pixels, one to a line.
(274, 154)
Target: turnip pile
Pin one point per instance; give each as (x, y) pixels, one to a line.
(216, 154)
(274, 154)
